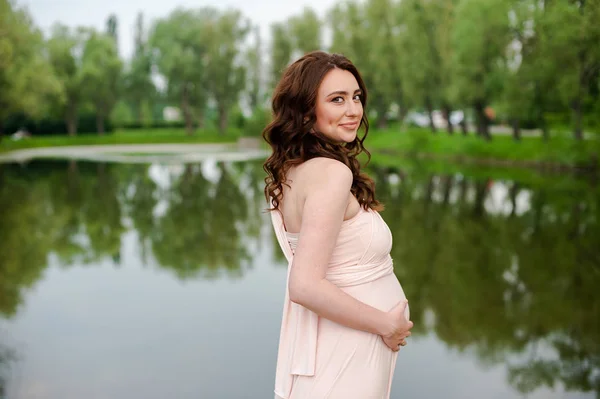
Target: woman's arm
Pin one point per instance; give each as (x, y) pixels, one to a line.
(326, 199)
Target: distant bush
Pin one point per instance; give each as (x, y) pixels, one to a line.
(153, 125)
(257, 122)
(47, 126)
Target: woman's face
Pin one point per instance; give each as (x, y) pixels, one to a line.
(339, 109)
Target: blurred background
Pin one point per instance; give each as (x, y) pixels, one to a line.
(136, 259)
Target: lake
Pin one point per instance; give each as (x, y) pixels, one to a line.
(165, 280)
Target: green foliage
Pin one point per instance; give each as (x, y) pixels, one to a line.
(121, 114)
(305, 31)
(86, 123)
(139, 88)
(225, 78)
(257, 122)
(254, 74)
(179, 44)
(101, 74)
(26, 78)
(281, 51)
(529, 60)
(479, 49)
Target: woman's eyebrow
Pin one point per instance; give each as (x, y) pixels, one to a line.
(342, 92)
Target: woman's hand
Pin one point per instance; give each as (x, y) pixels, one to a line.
(399, 326)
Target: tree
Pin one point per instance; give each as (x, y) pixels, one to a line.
(180, 45)
(305, 31)
(421, 71)
(445, 21)
(367, 35)
(281, 51)
(254, 70)
(26, 77)
(384, 59)
(226, 75)
(64, 50)
(480, 39)
(522, 71)
(101, 75)
(139, 88)
(570, 37)
(112, 27)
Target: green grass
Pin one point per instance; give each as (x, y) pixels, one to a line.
(386, 145)
(530, 151)
(147, 136)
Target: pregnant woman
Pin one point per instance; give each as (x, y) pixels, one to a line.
(345, 314)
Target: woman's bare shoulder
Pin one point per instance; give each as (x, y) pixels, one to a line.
(322, 170)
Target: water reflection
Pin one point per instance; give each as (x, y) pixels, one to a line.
(6, 357)
(504, 269)
(505, 272)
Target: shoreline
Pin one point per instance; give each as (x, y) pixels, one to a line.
(193, 152)
(542, 166)
(136, 153)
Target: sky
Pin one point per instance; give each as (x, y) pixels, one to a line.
(95, 12)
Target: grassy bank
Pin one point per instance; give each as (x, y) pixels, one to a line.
(147, 136)
(533, 177)
(561, 152)
(502, 150)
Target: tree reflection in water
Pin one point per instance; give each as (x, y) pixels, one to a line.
(505, 270)
(515, 283)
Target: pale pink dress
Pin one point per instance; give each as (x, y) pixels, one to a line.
(321, 359)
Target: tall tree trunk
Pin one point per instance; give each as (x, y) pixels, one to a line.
(138, 112)
(513, 192)
(463, 126)
(429, 189)
(538, 203)
(516, 126)
(577, 104)
(187, 114)
(481, 188)
(540, 118)
(545, 131)
(577, 117)
(402, 114)
(380, 108)
(223, 119)
(446, 112)
(200, 118)
(429, 107)
(482, 120)
(72, 179)
(71, 119)
(463, 187)
(382, 122)
(448, 180)
(100, 123)
(101, 181)
(188, 174)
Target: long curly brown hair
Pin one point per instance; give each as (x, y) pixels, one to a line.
(289, 134)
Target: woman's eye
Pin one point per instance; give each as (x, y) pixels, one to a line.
(358, 97)
(337, 99)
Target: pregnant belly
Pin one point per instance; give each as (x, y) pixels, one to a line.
(383, 293)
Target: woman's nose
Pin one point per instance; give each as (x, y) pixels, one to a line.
(353, 108)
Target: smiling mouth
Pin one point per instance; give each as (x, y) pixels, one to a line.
(350, 125)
